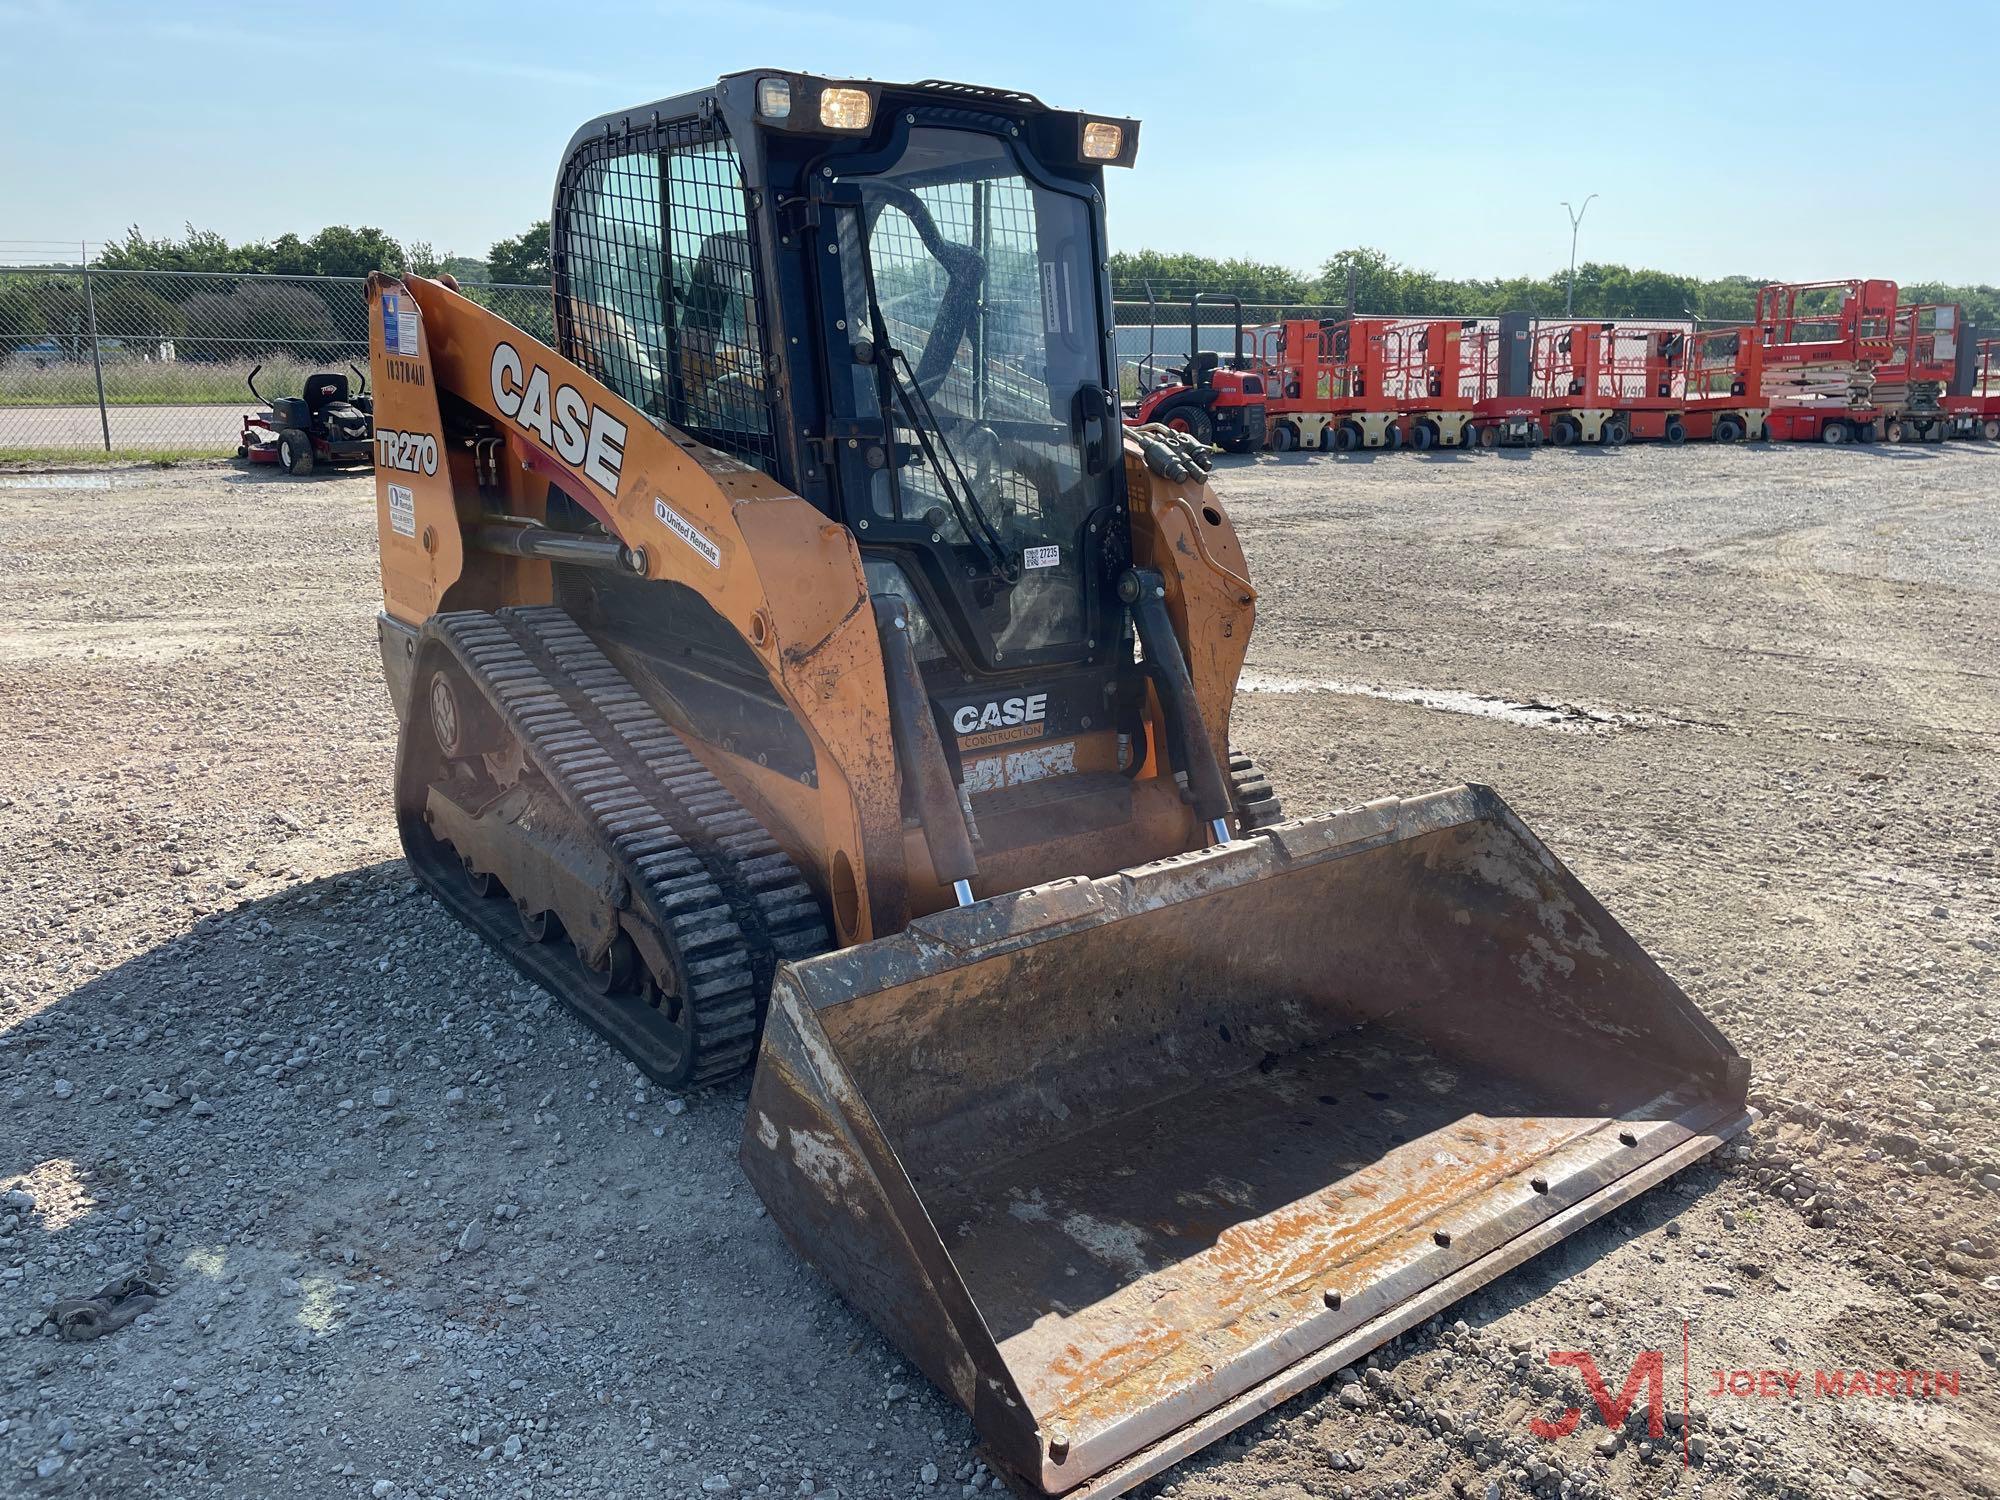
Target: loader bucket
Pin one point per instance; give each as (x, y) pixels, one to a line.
(1122, 1163)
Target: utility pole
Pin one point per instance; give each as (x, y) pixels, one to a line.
(1575, 222)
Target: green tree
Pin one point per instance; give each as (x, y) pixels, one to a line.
(524, 259)
(196, 250)
(1177, 276)
(1981, 303)
(130, 310)
(259, 318)
(425, 261)
(335, 251)
(465, 268)
(24, 302)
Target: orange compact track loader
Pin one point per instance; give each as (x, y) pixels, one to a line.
(799, 664)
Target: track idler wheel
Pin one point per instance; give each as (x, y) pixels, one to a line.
(619, 970)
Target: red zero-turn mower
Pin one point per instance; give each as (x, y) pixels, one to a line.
(325, 425)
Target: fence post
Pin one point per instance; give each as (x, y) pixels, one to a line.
(96, 359)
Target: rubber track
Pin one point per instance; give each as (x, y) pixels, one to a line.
(722, 894)
(1257, 803)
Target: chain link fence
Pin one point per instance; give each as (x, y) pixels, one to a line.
(157, 363)
(1152, 337)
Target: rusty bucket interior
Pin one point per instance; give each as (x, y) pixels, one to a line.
(1122, 1162)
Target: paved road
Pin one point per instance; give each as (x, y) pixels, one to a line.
(160, 428)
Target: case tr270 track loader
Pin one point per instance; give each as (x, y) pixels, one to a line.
(804, 666)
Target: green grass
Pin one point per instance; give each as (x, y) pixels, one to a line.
(141, 383)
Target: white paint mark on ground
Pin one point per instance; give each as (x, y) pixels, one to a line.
(55, 481)
(1564, 718)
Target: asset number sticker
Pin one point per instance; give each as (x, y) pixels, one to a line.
(1041, 557)
(402, 510)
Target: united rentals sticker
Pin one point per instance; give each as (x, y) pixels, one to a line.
(402, 510)
(688, 532)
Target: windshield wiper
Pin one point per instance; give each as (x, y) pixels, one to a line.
(972, 517)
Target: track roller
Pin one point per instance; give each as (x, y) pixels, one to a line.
(642, 893)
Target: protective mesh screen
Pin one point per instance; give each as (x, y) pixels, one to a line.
(656, 288)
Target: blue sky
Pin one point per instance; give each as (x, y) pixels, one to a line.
(1277, 129)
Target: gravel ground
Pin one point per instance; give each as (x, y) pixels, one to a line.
(416, 1234)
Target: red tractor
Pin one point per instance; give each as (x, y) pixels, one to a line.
(1211, 401)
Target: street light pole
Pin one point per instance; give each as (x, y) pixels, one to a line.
(1575, 222)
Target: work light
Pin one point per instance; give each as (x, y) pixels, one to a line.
(1102, 141)
(774, 98)
(844, 109)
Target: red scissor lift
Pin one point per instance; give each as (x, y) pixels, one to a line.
(1497, 356)
(1910, 386)
(1722, 379)
(1616, 382)
(1335, 380)
(1590, 379)
(1823, 342)
(1374, 382)
(1435, 380)
(1972, 405)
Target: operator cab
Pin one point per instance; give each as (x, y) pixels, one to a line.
(892, 299)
